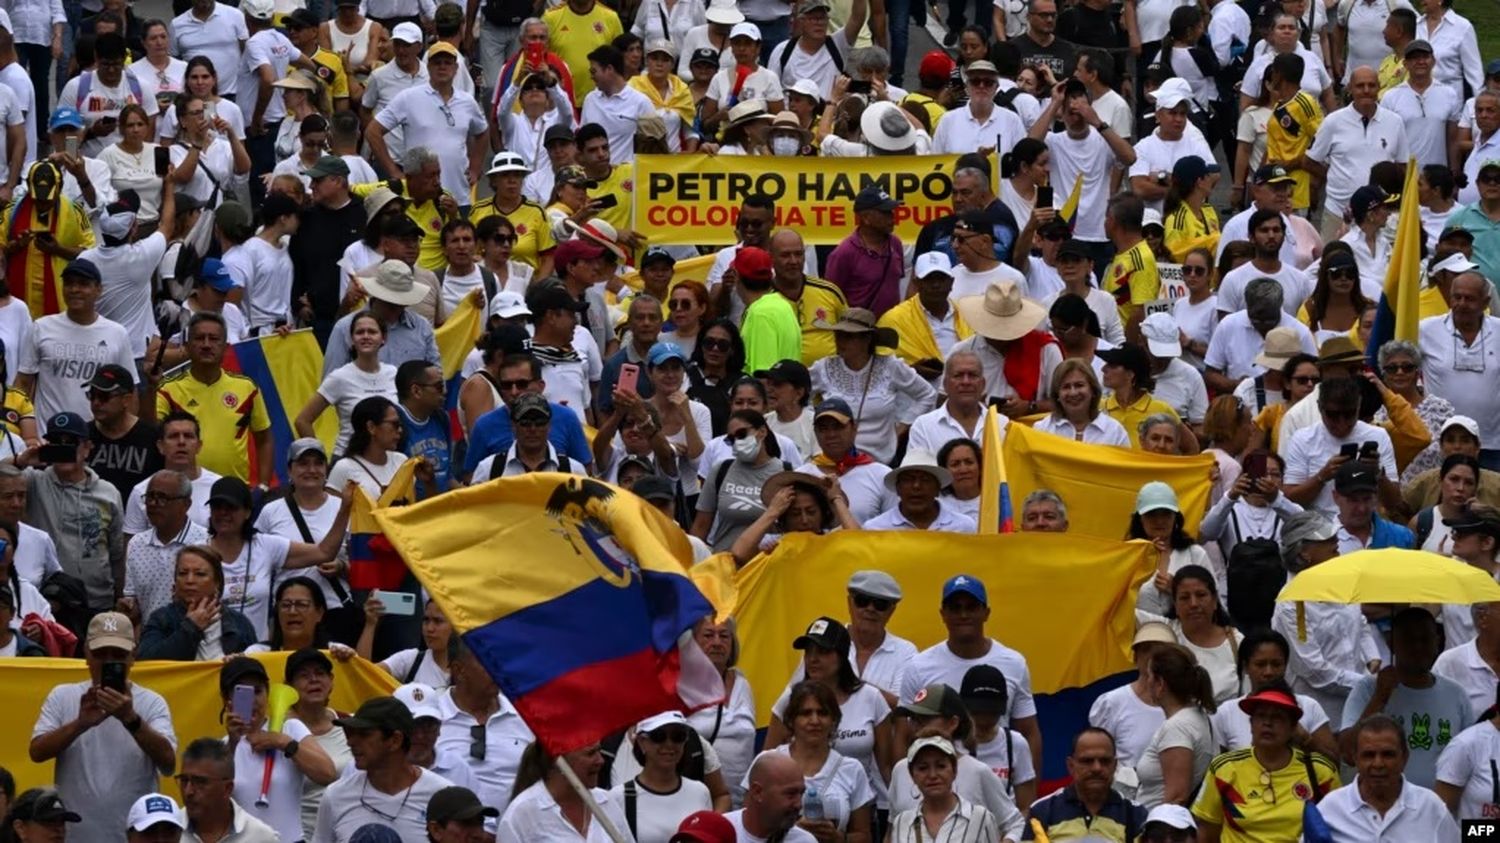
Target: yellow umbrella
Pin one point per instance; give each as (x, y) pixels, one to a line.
(1389, 575)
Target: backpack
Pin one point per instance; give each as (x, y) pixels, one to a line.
(1007, 99)
(791, 44)
(86, 84)
(1424, 525)
(491, 283)
(1256, 576)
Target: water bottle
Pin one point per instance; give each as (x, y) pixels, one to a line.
(812, 806)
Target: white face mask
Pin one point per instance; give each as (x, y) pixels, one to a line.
(785, 146)
(746, 449)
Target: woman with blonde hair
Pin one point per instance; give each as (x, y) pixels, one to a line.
(1076, 414)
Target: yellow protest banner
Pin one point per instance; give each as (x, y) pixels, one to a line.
(191, 690)
(695, 199)
(1098, 483)
(1065, 601)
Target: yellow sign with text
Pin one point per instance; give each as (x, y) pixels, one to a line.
(696, 199)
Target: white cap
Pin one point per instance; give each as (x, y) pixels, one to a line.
(807, 88)
(1162, 336)
(151, 809)
(5, 21)
(1174, 816)
(1172, 93)
(1455, 262)
(408, 32)
(724, 13)
(1152, 217)
(258, 9)
(421, 699)
(930, 262)
(656, 721)
(508, 304)
(507, 162)
(745, 29)
(1461, 421)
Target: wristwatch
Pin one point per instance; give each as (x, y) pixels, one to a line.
(1102, 128)
(1162, 177)
(290, 750)
(135, 725)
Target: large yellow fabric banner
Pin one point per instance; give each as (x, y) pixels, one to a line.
(695, 199)
(1065, 601)
(190, 688)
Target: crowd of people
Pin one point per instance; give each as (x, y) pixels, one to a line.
(364, 171)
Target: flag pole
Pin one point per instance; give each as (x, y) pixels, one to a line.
(588, 800)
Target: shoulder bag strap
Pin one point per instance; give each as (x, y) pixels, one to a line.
(333, 582)
(630, 795)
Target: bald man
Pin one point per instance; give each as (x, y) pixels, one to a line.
(1351, 141)
(813, 298)
(773, 802)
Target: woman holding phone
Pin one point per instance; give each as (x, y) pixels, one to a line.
(136, 164)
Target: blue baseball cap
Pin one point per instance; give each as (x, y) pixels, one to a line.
(664, 351)
(965, 584)
(216, 275)
(83, 268)
(65, 116)
(67, 423)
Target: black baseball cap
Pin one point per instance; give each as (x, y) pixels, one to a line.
(826, 633)
(457, 804)
(232, 491)
(385, 713)
(704, 55)
(237, 670)
(657, 254)
(1355, 477)
(111, 379)
(300, 19)
(984, 690)
(67, 423)
(553, 297)
(307, 656)
(1485, 521)
(653, 487)
(1130, 356)
(557, 133)
(1072, 248)
(788, 371)
(42, 805)
(82, 268)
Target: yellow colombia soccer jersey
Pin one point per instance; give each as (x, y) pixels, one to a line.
(533, 234)
(1234, 796)
(1289, 133)
(17, 407)
(228, 410)
(428, 217)
(338, 81)
(574, 36)
(820, 300)
(1132, 278)
(621, 182)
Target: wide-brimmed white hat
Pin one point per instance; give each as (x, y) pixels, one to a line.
(599, 233)
(918, 460)
(1002, 313)
(886, 128)
(507, 162)
(394, 282)
(748, 110)
(724, 13)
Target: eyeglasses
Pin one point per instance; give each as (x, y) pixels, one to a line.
(504, 239)
(514, 385)
(1306, 380)
(478, 746)
(865, 601)
(96, 395)
(1401, 368)
(668, 734)
(295, 605)
(716, 345)
(1190, 269)
(1267, 795)
(159, 498)
(740, 434)
(1488, 178)
(678, 304)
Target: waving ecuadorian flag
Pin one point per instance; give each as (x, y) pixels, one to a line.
(573, 594)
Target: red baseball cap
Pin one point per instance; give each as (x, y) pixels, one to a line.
(704, 827)
(753, 263)
(935, 64)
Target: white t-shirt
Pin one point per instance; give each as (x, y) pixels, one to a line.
(1187, 729)
(15, 331)
(284, 813)
(1295, 287)
(429, 673)
(126, 295)
(265, 271)
(817, 67)
(64, 356)
(218, 159)
(370, 477)
(1092, 156)
(220, 38)
(1009, 755)
(15, 77)
(1153, 16)
(247, 580)
(939, 664)
(275, 519)
(1122, 713)
(36, 555)
(352, 802)
(1310, 448)
(159, 84)
(102, 101)
(860, 716)
(840, 785)
(271, 47)
(657, 815)
(967, 283)
(348, 385)
(761, 84)
(793, 834)
(11, 114)
(1232, 724)
(1154, 154)
(1468, 763)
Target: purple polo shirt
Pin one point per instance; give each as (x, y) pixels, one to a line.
(869, 279)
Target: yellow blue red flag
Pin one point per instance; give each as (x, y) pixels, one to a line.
(373, 563)
(287, 370)
(574, 595)
(1399, 311)
(996, 514)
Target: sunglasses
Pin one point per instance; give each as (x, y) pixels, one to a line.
(1489, 178)
(1053, 236)
(505, 239)
(740, 434)
(533, 422)
(478, 746)
(678, 304)
(865, 601)
(716, 345)
(668, 734)
(1306, 380)
(516, 385)
(1346, 272)
(1190, 269)
(96, 395)
(1401, 368)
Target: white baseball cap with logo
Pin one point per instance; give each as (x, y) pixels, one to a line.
(154, 809)
(929, 263)
(1455, 262)
(420, 699)
(407, 32)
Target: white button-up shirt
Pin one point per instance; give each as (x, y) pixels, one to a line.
(993, 363)
(1235, 343)
(1463, 665)
(959, 131)
(1455, 47)
(1467, 375)
(932, 430)
(948, 521)
(1485, 149)
(1349, 146)
(864, 486)
(618, 114)
(1155, 154)
(535, 815)
(506, 736)
(1103, 430)
(443, 127)
(1427, 115)
(522, 136)
(1325, 666)
(1371, 263)
(1417, 815)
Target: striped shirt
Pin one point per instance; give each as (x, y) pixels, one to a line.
(966, 823)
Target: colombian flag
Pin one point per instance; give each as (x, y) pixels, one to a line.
(995, 511)
(574, 595)
(455, 339)
(373, 563)
(1068, 213)
(287, 370)
(1400, 306)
